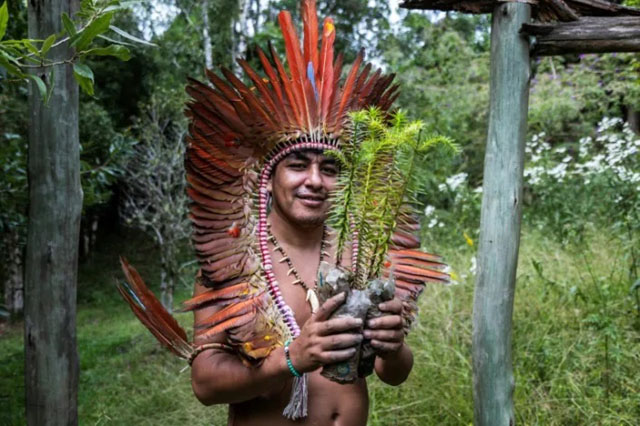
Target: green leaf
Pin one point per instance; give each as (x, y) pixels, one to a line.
(68, 25)
(42, 88)
(118, 51)
(86, 36)
(46, 45)
(120, 6)
(30, 46)
(5, 62)
(4, 18)
(130, 37)
(84, 77)
(110, 40)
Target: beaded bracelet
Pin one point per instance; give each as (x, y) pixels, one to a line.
(288, 357)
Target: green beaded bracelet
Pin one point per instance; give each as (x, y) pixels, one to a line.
(288, 357)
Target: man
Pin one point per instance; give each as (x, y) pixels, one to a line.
(260, 338)
(300, 186)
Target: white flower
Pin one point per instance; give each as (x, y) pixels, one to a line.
(474, 266)
(534, 174)
(433, 222)
(559, 171)
(456, 180)
(428, 211)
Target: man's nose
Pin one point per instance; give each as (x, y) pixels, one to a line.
(314, 178)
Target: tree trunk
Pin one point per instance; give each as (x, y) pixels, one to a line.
(167, 279)
(493, 382)
(55, 203)
(240, 34)
(206, 37)
(633, 118)
(14, 283)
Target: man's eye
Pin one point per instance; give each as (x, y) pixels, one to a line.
(332, 171)
(297, 166)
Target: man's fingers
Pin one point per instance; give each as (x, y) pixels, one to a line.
(331, 357)
(385, 335)
(341, 341)
(329, 306)
(386, 346)
(386, 322)
(393, 306)
(338, 325)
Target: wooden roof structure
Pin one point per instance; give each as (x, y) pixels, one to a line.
(542, 10)
(561, 26)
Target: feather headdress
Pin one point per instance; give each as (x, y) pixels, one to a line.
(237, 134)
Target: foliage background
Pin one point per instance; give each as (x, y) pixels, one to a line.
(577, 313)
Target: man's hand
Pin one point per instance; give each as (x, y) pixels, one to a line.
(325, 341)
(386, 332)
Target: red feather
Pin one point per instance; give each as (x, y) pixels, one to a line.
(310, 21)
(286, 82)
(275, 83)
(152, 314)
(325, 71)
(272, 103)
(347, 89)
(297, 68)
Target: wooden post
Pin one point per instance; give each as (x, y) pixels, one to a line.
(55, 204)
(493, 382)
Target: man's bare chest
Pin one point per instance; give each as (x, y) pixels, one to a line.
(295, 293)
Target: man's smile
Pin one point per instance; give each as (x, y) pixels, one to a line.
(309, 200)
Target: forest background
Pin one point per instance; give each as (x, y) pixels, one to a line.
(577, 312)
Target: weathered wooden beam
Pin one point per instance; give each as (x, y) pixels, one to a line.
(55, 207)
(586, 35)
(493, 382)
(543, 10)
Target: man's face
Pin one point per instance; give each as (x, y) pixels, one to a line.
(300, 187)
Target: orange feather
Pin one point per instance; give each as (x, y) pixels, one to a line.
(210, 296)
(235, 310)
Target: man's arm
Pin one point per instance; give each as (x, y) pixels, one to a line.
(394, 368)
(221, 378)
(394, 359)
(218, 377)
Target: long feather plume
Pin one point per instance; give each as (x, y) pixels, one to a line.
(151, 313)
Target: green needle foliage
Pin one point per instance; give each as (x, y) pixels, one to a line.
(377, 187)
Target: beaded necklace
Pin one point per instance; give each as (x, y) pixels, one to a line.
(312, 297)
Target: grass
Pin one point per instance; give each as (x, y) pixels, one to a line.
(576, 342)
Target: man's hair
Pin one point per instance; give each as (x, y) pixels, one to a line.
(300, 154)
